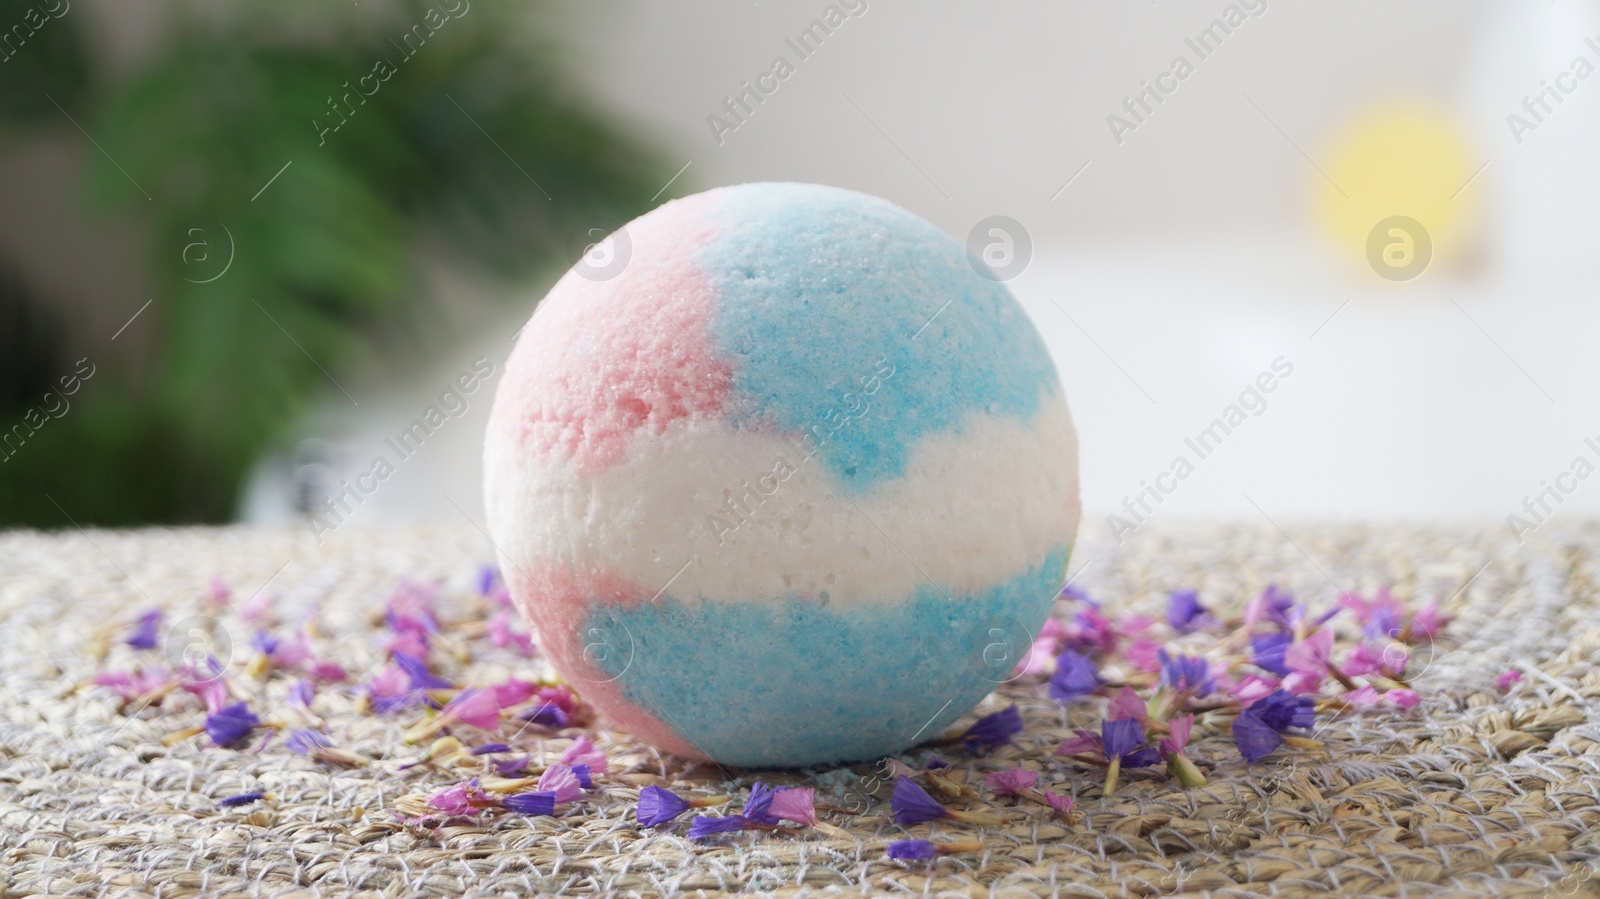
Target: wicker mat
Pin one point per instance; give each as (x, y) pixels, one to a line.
(1475, 792)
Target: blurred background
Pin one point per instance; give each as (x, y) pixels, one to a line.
(244, 249)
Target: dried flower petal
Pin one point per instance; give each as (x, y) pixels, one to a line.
(539, 803)
(1060, 805)
(1012, 782)
(1266, 651)
(231, 724)
(1125, 739)
(1255, 739)
(303, 742)
(416, 668)
(797, 804)
(705, 826)
(1403, 697)
(583, 752)
(475, 707)
(994, 730)
(547, 714)
(1075, 676)
(241, 799)
(1188, 674)
(146, 634)
(1185, 614)
(1280, 711)
(912, 804)
(755, 807)
(560, 780)
(512, 767)
(913, 850)
(658, 806)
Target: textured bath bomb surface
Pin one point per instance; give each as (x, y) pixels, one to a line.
(796, 486)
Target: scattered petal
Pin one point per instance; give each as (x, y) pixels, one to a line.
(241, 799)
(231, 724)
(705, 826)
(538, 803)
(912, 804)
(146, 633)
(913, 850)
(560, 780)
(582, 752)
(658, 806)
(1254, 739)
(1012, 782)
(1403, 698)
(797, 804)
(994, 730)
(304, 742)
(1075, 676)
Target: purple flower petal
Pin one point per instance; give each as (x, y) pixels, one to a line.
(547, 714)
(1185, 613)
(1142, 758)
(241, 799)
(487, 576)
(1267, 651)
(1255, 739)
(705, 826)
(1280, 711)
(417, 670)
(231, 725)
(994, 730)
(542, 803)
(145, 634)
(755, 807)
(585, 779)
(512, 767)
(913, 850)
(303, 742)
(1121, 738)
(658, 806)
(490, 749)
(1188, 673)
(913, 805)
(302, 692)
(1075, 676)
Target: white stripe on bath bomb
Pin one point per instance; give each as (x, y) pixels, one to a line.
(976, 505)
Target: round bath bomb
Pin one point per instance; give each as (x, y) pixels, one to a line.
(795, 484)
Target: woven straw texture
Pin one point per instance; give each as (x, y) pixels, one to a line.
(1473, 793)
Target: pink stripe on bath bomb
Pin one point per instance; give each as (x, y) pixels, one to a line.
(604, 359)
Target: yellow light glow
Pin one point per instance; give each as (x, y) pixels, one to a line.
(1398, 161)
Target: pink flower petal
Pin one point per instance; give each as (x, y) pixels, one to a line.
(1181, 729)
(475, 707)
(1367, 695)
(1404, 698)
(1253, 687)
(1301, 682)
(560, 780)
(797, 804)
(1010, 783)
(1144, 654)
(583, 752)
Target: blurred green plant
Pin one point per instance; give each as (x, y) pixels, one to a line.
(469, 141)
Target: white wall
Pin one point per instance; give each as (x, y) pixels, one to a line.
(1186, 256)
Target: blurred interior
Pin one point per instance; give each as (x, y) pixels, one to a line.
(252, 304)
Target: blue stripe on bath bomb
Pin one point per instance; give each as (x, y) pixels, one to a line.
(797, 682)
(816, 284)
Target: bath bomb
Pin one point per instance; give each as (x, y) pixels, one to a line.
(790, 480)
